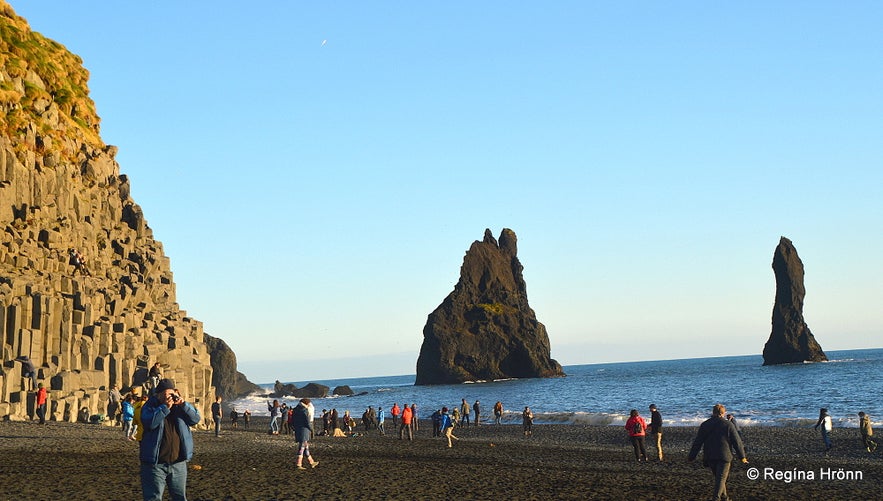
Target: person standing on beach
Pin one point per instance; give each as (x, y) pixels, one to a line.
(41, 399)
(715, 437)
(128, 417)
(167, 443)
(406, 424)
(217, 414)
(447, 426)
(527, 421)
(477, 408)
(415, 420)
(394, 412)
(464, 413)
(656, 429)
(827, 426)
(303, 431)
(113, 404)
(498, 412)
(275, 411)
(136, 419)
(866, 431)
(636, 427)
(246, 417)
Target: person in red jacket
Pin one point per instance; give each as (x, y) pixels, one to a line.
(41, 403)
(406, 424)
(636, 427)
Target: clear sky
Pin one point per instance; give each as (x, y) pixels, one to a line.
(317, 170)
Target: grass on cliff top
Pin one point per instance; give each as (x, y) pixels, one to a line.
(24, 53)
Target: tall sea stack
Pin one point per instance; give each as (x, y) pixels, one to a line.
(85, 323)
(485, 329)
(790, 340)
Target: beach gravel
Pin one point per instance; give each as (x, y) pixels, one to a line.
(81, 461)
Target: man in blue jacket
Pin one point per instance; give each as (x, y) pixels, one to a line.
(167, 443)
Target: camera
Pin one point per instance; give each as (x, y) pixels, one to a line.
(175, 397)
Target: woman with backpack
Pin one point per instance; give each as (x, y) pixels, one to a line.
(636, 426)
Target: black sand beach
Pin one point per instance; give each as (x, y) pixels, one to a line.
(80, 461)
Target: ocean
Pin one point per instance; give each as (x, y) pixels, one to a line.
(602, 394)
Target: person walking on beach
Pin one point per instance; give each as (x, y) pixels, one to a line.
(715, 437)
(477, 408)
(167, 443)
(527, 421)
(636, 427)
(656, 429)
(275, 411)
(406, 424)
(394, 412)
(447, 426)
(827, 426)
(217, 414)
(128, 417)
(866, 431)
(380, 418)
(41, 398)
(498, 412)
(303, 431)
(464, 413)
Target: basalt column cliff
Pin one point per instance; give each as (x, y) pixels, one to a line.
(85, 327)
(790, 340)
(485, 328)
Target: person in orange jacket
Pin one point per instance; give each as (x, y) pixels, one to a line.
(406, 424)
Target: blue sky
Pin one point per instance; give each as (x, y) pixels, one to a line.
(316, 200)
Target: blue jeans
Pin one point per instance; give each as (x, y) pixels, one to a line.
(826, 438)
(155, 478)
(217, 420)
(274, 424)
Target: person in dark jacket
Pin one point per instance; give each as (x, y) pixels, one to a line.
(167, 443)
(715, 437)
(656, 429)
(303, 431)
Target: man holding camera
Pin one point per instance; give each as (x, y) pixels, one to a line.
(167, 443)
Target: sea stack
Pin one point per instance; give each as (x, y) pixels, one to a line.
(485, 329)
(790, 340)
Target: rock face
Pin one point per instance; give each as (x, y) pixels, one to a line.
(485, 328)
(228, 382)
(790, 340)
(310, 390)
(84, 327)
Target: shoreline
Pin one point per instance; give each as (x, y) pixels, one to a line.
(557, 462)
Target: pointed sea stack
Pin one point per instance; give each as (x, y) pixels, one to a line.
(485, 329)
(790, 340)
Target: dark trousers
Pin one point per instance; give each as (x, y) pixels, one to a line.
(721, 471)
(638, 445)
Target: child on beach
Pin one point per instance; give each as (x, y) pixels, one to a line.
(827, 426)
(866, 431)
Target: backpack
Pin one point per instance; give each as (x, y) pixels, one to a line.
(637, 429)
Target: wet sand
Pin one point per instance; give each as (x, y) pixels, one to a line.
(81, 461)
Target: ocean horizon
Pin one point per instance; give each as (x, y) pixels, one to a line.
(604, 393)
